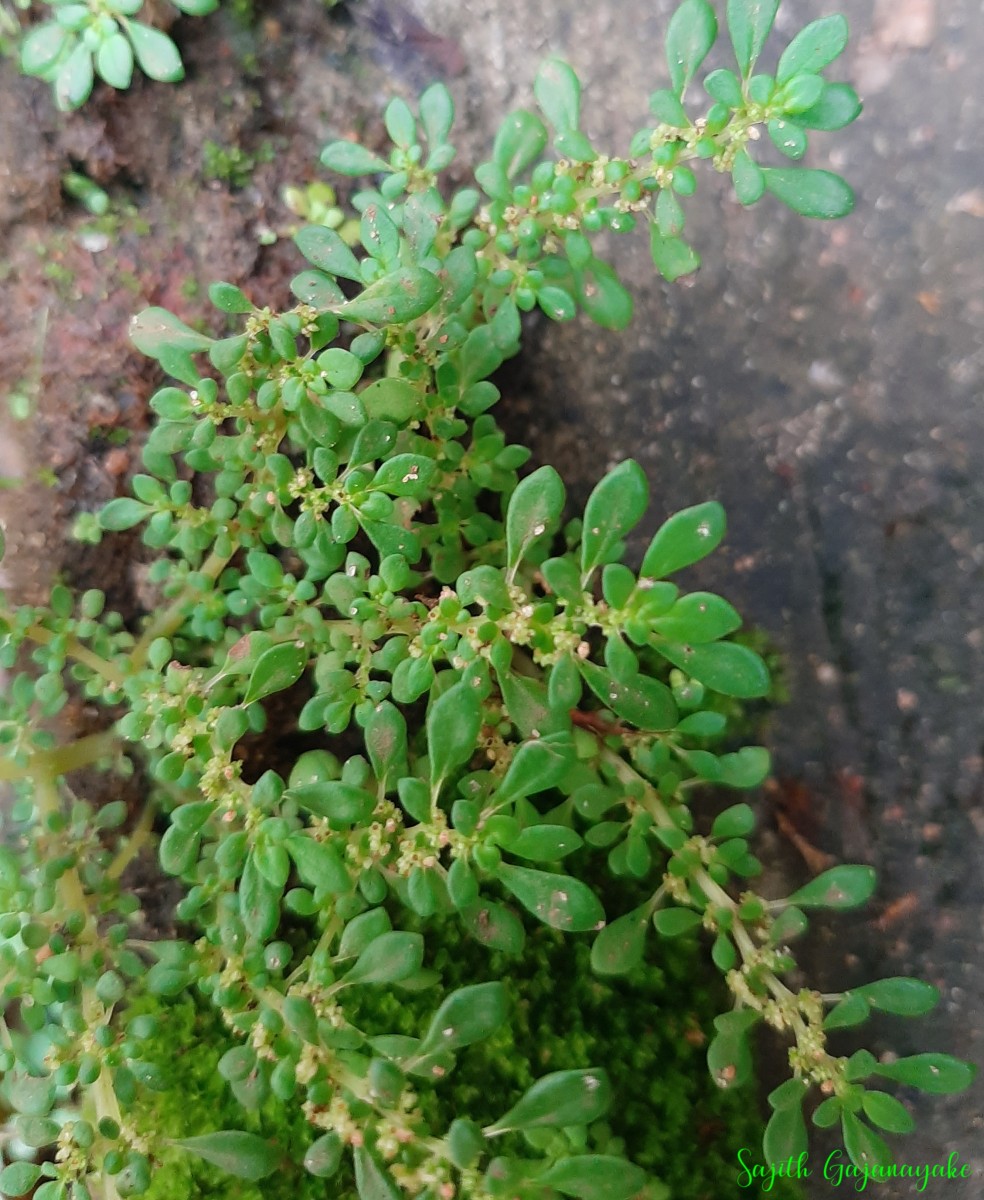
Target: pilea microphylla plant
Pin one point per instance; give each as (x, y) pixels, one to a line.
(498, 714)
(83, 40)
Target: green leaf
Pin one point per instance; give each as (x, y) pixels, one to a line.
(595, 1177)
(672, 257)
(395, 299)
(689, 36)
(698, 617)
(400, 123)
(519, 142)
(726, 667)
(646, 703)
(276, 669)
(123, 513)
(747, 177)
(725, 87)
(940, 1074)
(840, 887)
(156, 53)
(537, 765)
(736, 821)
(405, 475)
(156, 329)
(349, 158)
(379, 235)
(850, 1011)
(785, 1135)
(745, 768)
(73, 83)
(864, 1147)
(602, 296)
(386, 743)
(673, 922)
(668, 110)
(41, 47)
(259, 901)
(749, 24)
(341, 803)
(436, 114)
(535, 508)
(324, 1156)
(453, 724)
(394, 400)
(557, 303)
(560, 1099)
(244, 1155)
(619, 948)
(729, 1058)
(559, 901)
(838, 106)
(544, 843)
(18, 1178)
(558, 93)
(372, 1180)
(813, 48)
(811, 193)
(324, 249)
(391, 957)
(900, 995)
(887, 1113)
(468, 1015)
(684, 539)
(494, 926)
(114, 61)
(614, 508)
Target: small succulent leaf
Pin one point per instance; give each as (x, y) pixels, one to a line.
(745, 768)
(887, 1113)
(123, 513)
(813, 48)
(453, 723)
(840, 887)
(405, 475)
(324, 1156)
(535, 508)
(391, 957)
(850, 1011)
(114, 61)
(736, 821)
(689, 37)
(466, 1016)
(838, 106)
(372, 1180)
(324, 249)
(698, 617)
(900, 995)
(156, 53)
(747, 177)
(436, 114)
(495, 926)
(684, 539)
(245, 1155)
(616, 505)
(544, 843)
(940, 1074)
(594, 1177)
(519, 142)
(75, 78)
(537, 765)
(810, 192)
(673, 922)
(864, 1147)
(672, 256)
(785, 1134)
(349, 158)
(558, 92)
(560, 1099)
(646, 703)
(725, 667)
(276, 669)
(397, 298)
(18, 1178)
(620, 947)
(559, 901)
(41, 47)
(749, 24)
(156, 329)
(602, 295)
(341, 803)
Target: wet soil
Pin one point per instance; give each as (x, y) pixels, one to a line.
(823, 381)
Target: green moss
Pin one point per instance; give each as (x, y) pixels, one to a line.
(647, 1030)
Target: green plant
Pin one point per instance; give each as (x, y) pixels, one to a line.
(389, 692)
(84, 39)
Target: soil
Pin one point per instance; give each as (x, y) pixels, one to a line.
(822, 381)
